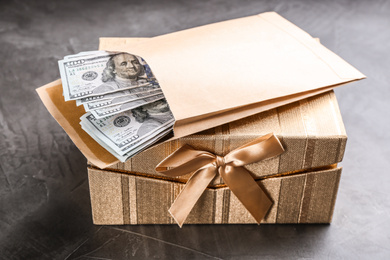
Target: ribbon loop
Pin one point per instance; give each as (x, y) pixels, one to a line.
(183, 161)
(204, 166)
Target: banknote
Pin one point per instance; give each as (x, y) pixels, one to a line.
(121, 131)
(115, 109)
(135, 149)
(141, 89)
(131, 147)
(126, 108)
(102, 72)
(83, 54)
(141, 147)
(120, 100)
(146, 138)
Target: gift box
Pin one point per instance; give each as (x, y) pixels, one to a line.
(302, 182)
(281, 86)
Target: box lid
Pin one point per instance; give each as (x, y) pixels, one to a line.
(311, 131)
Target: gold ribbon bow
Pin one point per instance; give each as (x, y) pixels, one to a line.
(205, 166)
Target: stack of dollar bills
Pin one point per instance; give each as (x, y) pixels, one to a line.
(126, 111)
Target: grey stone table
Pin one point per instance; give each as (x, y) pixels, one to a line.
(44, 200)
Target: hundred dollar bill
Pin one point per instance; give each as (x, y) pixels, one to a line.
(141, 147)
(83, 54)
(115, 109)
(101, 73)
(120, 100)
(139, 90)
(135, 149)
(146, 138)
(120, 131)
(129, 148)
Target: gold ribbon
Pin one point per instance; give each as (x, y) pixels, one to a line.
(205, 166)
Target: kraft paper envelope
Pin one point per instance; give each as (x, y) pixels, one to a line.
(218, 73)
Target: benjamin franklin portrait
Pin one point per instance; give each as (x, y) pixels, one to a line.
(122, 71)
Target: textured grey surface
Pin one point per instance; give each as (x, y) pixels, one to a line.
(44, 200)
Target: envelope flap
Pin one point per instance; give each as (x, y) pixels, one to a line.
(67, 114)
(238, 62)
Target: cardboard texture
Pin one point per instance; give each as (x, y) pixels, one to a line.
(119, 199)
(219, 73)
(311, 131)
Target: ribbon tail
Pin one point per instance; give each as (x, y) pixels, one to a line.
(191, 193)
(246, 189)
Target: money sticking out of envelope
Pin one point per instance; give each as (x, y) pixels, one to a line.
(214, 74)
(126, 108)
